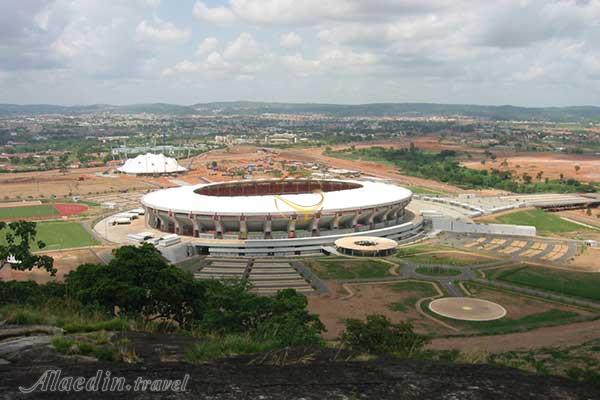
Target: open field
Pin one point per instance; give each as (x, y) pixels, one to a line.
(74, 182)
(373, 168)
(61, 235)
(542, 220)
(523, 313)
(344, 268)
(394, 300)
(579, 284)
(43, 210)
(64, 261)
(552, 165)
(447, 258)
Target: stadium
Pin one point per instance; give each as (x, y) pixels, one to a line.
(281, 217)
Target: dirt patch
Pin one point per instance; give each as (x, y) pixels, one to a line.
(563, 335)
(66, 210)
(64, 262)
(552, 166)
(334, 307)
(588, 260)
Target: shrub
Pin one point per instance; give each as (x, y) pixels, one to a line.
(213, 347)
(378, 335)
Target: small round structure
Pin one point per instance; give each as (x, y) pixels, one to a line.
(467, 309)
(366, 246)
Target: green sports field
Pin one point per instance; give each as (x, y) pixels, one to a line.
(61, 235)
(28, 211)
(543, 221)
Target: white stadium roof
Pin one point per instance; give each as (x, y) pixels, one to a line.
(184, 200)
(151, 164)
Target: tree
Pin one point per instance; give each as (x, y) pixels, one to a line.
(17, 251)
(378, 335)
(577, 167)
(139, 281)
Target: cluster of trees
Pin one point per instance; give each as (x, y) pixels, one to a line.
(138, 283)
(445, 167)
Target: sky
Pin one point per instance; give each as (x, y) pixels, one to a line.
(520, 52)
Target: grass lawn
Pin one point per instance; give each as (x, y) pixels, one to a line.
(349, 268)
(504, 325)
(28, 211)
(437, 271)
(61, 235)
(543, 221)
(425, 191)
(453, 259)
(578, 284)
(420, 248)
(420, 289)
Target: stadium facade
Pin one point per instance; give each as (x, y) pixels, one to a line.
(273, 217)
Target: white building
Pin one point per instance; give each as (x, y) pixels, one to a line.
(150, 164)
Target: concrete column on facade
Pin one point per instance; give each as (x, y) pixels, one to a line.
(355, 220)
(173, 220)
(195, 225)
(314, 225)
(218, 226)
(371, 219)
(243, 228)
(335, 223)
(267, 227)
(387, 214)
(291, 228)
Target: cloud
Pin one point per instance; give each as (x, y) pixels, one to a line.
(207, 45)
(244, 47)
(290, 40)
(215, 15)
(161, 32)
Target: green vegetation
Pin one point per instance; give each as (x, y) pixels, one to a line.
(59, 235)
(426, 191)
(453, 259)
(344, 268)
(42, 210)
(64, 235)
(16, 240)
(578, 284)
(378, 335)
(73, 346)
(437, 271)
(421, 290)
(419, 248)
(542, 220)
(445, 167)
(528, 322)
(215, 347)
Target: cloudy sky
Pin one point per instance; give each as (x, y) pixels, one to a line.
(521, 52)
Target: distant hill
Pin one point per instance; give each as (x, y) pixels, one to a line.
(506, 112)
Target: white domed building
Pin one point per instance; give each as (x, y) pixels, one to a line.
(151, 164)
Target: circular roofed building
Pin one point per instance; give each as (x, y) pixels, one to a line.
(282, 213)
(151, 164)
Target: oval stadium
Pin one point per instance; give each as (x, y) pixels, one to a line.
(276, 217)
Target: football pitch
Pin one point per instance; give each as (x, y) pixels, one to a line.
(42, 210)
(61, 235)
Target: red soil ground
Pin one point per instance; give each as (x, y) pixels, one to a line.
(70, 209)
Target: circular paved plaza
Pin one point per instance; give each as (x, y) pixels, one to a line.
(467, 309)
